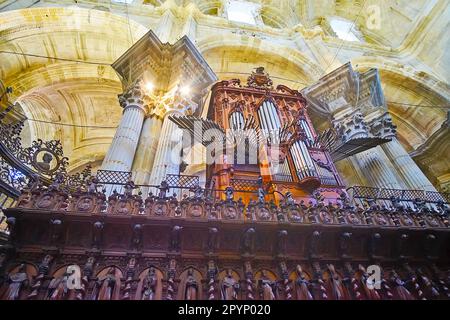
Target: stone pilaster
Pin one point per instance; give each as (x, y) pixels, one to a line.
(123, 147)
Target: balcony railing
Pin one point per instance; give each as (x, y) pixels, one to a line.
(244, 185)
(390, 197)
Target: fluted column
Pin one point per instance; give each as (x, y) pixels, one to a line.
(123, 147)
(146, 149)
(169, 146)
(406, 166)
(377, 169)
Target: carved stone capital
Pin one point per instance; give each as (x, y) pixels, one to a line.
(135, 96)
(383, 127)
(351, 126)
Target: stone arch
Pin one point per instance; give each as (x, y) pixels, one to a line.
(64, 33)
(273, 17)
(76, 102)
(53, 88)
(208, 7)
(260, 50)
(439, 86)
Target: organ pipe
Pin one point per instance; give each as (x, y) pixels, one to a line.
(302, 160)
(304, 125)
(237, 121)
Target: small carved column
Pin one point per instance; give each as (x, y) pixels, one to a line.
(123, 147)
(171, 274)
(249, 281)
(406, 166)
(88, 270)
(320, 290)
(130, 273)
(44, 267)
(414, 282)
(212, 274)
(286, 281)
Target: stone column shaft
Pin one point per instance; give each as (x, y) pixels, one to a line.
(377, 169)
(123, 147)
(169, 146)
(146, 150)
(405, 165)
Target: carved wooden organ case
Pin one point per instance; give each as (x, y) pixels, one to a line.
(281, 120)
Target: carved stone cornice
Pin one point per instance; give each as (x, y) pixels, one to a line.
(345, 88)
(167, 66)
(355, 103)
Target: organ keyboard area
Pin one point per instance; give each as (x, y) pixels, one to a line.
(288, 159)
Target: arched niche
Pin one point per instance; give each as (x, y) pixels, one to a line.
(264, 278)
(336, 290)
(184, 277)
(224, 283)
(142, 284)
(300, 287)
(100, 292)
(19, 284)
(57, 284)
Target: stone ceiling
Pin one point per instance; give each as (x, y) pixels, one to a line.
(80, 88)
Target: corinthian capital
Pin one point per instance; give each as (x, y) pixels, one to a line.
(159, 106)
(351, 126)
(383, 127)
(135, 96)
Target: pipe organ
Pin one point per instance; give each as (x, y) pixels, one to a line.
(288, 158)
